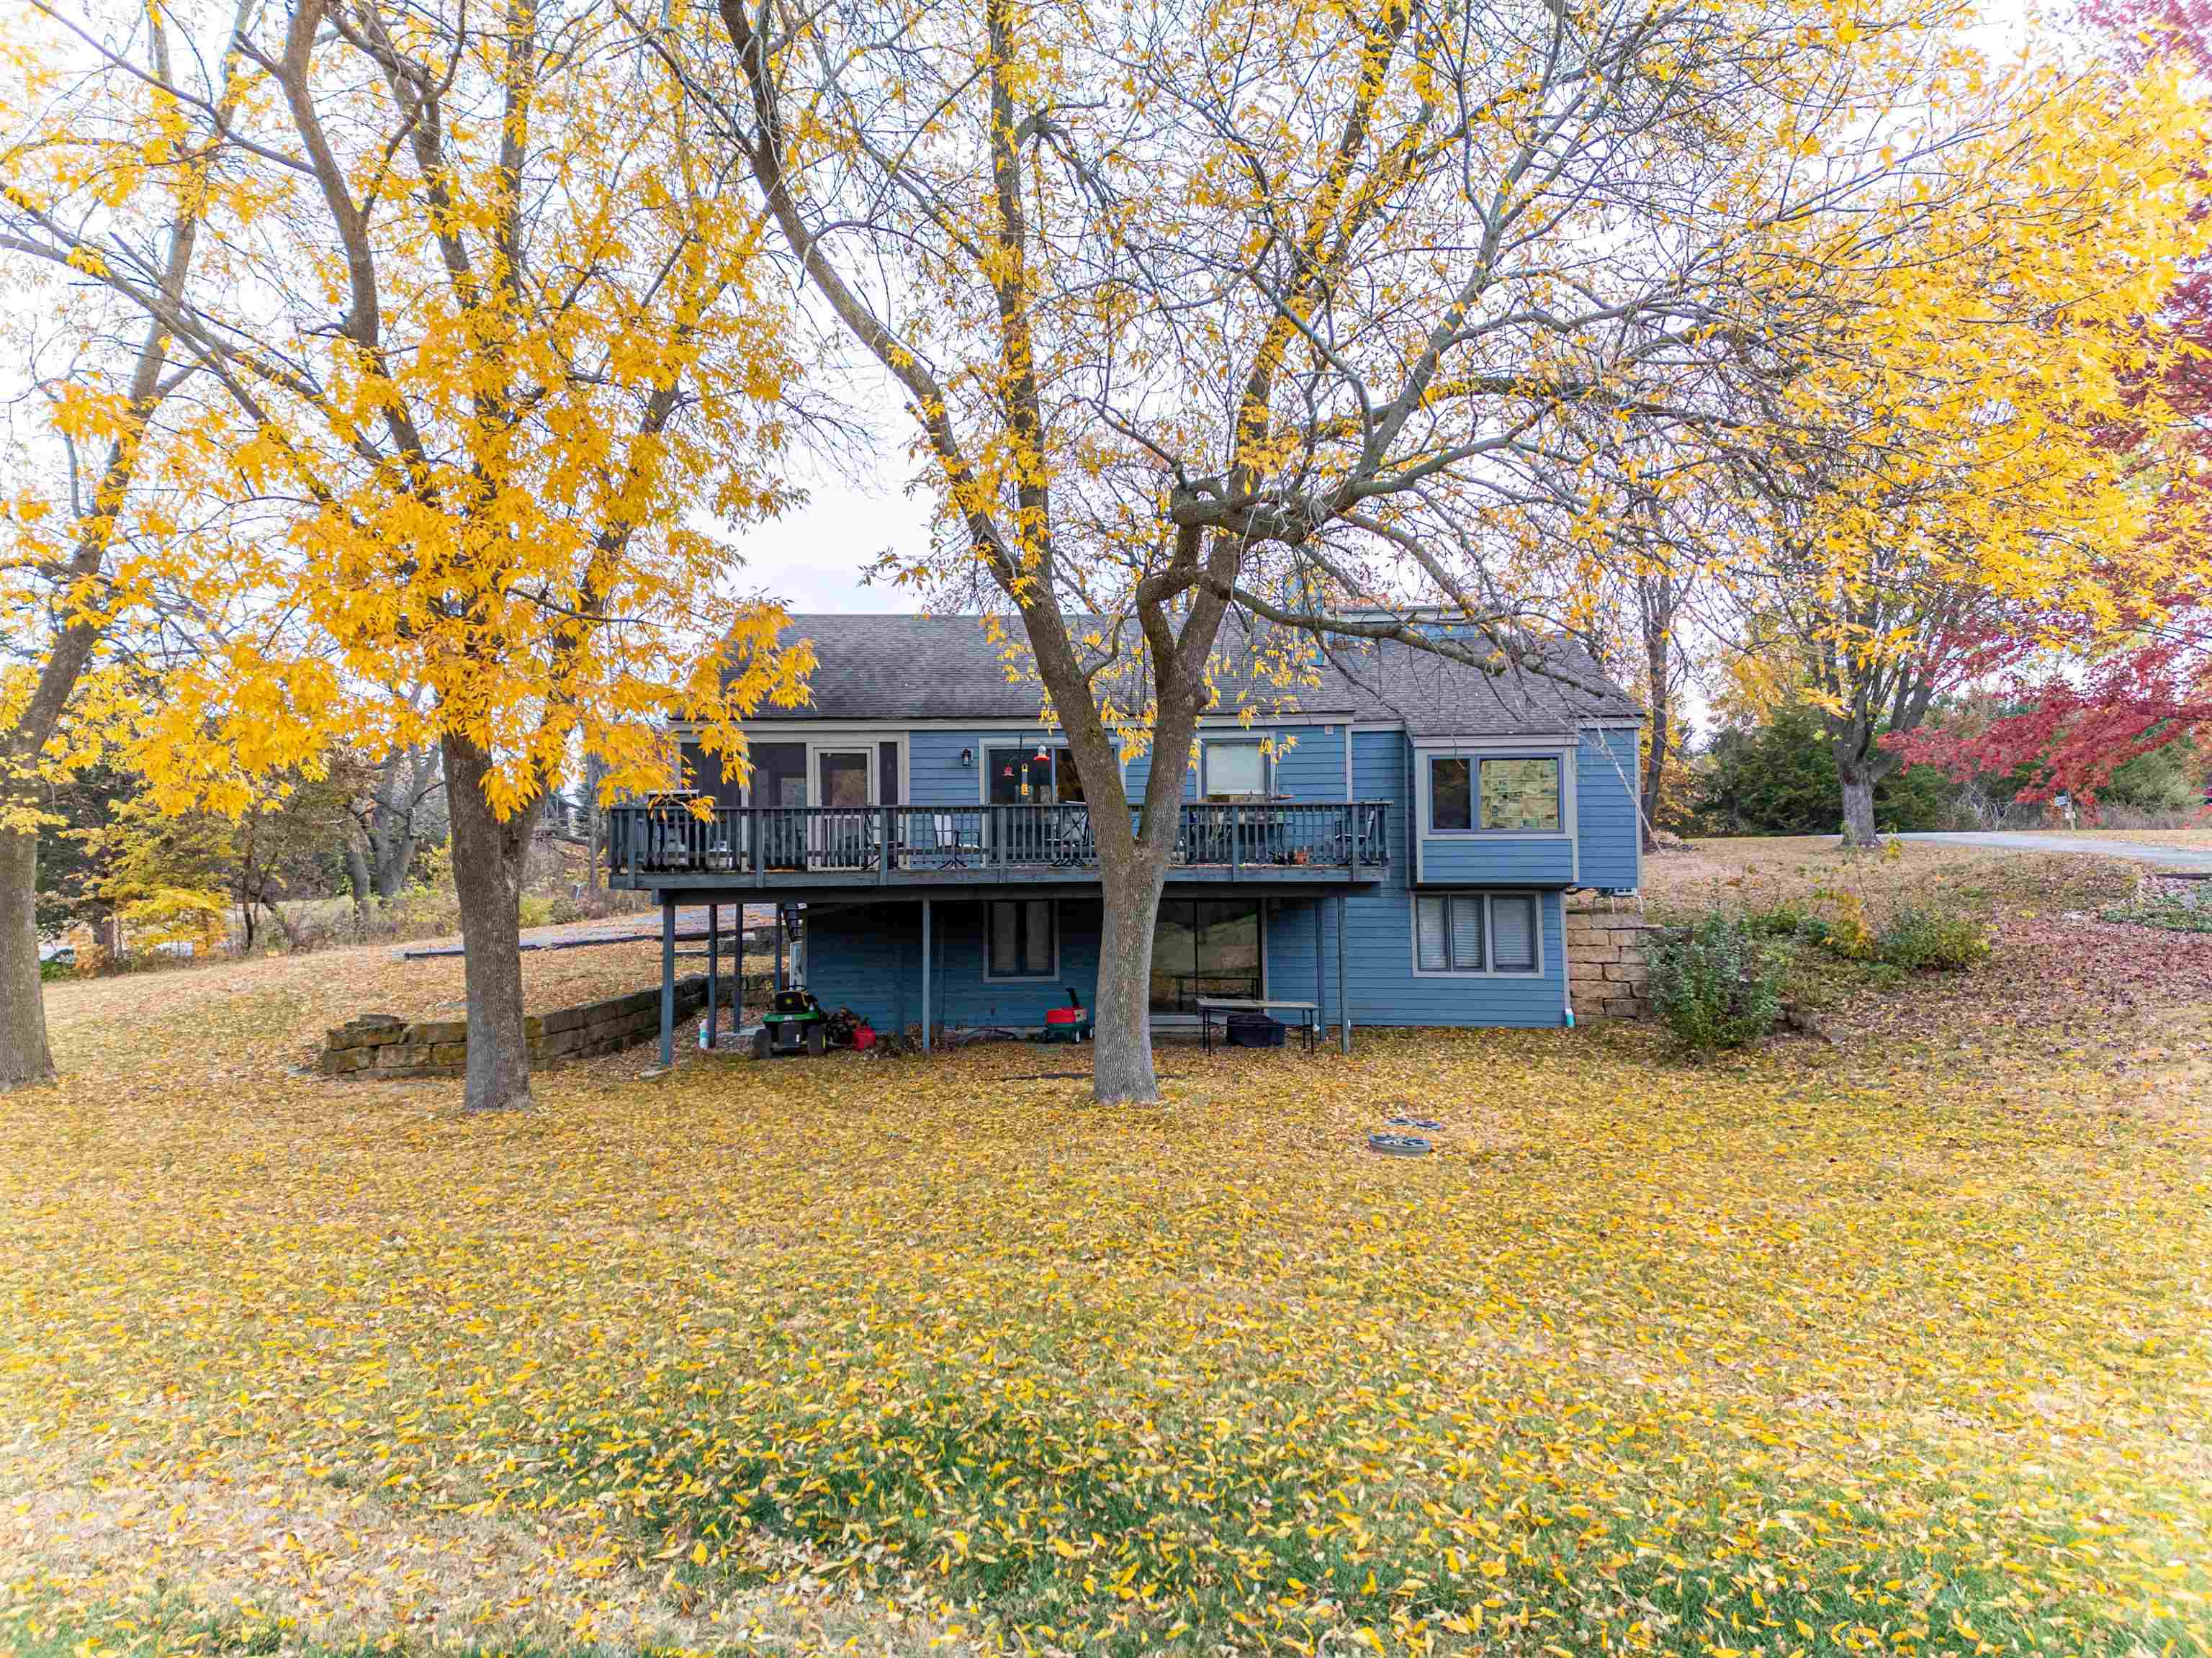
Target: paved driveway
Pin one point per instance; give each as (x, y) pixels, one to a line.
(2142, 852)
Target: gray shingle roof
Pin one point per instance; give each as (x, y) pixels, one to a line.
(897, 667)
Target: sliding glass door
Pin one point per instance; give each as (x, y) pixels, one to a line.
(1205, 947)
(1030, 776)
(1033, 783)
(844, 777)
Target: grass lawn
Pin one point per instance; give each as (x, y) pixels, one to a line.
(1753, 869)
(1899, 1345)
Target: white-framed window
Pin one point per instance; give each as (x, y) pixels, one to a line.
(1496, 793)
(1021, 938)
(1235, 769)
(1489, 933)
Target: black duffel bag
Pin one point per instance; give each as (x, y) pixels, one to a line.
(1255, 1030)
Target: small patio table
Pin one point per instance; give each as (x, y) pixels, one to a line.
(1307, 1014)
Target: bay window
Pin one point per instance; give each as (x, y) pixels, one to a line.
(1507, 793)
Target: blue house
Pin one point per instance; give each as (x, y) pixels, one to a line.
(1397, 850)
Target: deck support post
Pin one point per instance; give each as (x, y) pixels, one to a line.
(779, 984)
(714, 972)
(1320, 1002)
(924, 976)
(1343, 996)
(667, 980)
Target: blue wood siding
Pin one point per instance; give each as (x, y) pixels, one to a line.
(1490, 860)
(1291, 951)
(1312, 767)
(935, 776)
(1379, 934)
(869, 959)
(1139, 774)
(1385, 989)
(1606, 812)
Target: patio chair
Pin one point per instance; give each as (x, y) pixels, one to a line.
(943, 840)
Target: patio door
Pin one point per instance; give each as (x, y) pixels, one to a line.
(843, 836)
(1205, 947)
(1024, 776)
(780, 782)
(1030, 784)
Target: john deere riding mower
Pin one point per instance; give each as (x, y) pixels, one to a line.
(795, 1023)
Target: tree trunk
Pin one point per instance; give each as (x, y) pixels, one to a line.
(1658, 636)
(488, 858)
(394, 860)
(357, 878)
(1858, 806)
(1121, 1059)
(1655, 764)
(595, 770)
(391, 823)
(25, 1059)
(1131, 872)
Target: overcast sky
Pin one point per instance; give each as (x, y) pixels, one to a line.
(812, 559)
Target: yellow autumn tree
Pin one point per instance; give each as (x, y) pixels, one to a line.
(95, 485)
(496, 369)
(1235, 330)
(1960, 435)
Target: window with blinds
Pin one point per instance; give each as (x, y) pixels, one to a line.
(1235, 771)
(1475, 932)
(1513, 932)
(1432, 935)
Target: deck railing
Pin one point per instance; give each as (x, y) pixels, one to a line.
(917, 844)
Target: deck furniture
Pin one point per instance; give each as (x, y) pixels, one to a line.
(1210, 1008)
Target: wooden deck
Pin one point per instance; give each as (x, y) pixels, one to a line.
(668, 846)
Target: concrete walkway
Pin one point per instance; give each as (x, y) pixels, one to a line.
(2142, 852)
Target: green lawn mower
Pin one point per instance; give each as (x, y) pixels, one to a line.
(795, 1023)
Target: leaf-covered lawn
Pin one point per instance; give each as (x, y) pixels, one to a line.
(1828, 1349)
(1751, 870)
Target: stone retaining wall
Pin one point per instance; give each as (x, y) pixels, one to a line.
(2156, 886)
(1607, 977)
(383, 1045)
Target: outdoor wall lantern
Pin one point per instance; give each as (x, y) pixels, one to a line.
(967, 759)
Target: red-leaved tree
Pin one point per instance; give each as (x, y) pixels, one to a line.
(2069, 726)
